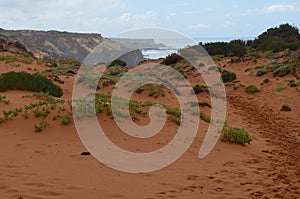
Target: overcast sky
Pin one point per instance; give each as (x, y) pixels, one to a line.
(194, 18)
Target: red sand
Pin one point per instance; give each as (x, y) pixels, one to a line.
(49, 164)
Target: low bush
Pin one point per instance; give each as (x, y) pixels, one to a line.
(251, 89)
(261, 72)
(285, 107)
(39, 127)
(117, 62)
(236, 135)
(172, 59)
(228, 76)
(199, 89)
(30, 82)
(65, 120)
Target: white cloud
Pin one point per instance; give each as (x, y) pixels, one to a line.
(189, 12)
(283, 8)
(126, 17)
(229, 24)
(55, 14)
(276, 8)
(200, 26)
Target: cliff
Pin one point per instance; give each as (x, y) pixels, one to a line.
(58, 45)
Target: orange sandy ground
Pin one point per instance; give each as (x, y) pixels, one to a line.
(49, 165)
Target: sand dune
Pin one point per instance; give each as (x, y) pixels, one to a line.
(49, 164)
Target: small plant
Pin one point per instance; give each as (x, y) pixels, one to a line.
(4, 100)
(265, 81)
(228, 76)
(251, 89)
(37, 112)
(65, 120)
(285, 107)
(293, 83)
(155, 91)
(280, 88)
(236, 135)
(176, 120)
(205, 117)
(199, 89)
(261, 72)
(39, 127)
(172, 59)
(25, 115)
(193, 104)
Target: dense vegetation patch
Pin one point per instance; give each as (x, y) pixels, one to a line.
(29, 82)
(275, 39)
(233, 48)
(172, 59)
(278, 39)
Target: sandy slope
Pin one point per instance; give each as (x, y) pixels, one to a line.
(49, 164)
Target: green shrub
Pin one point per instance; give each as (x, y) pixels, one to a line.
(155, 91)
(234, 48)
(261, 72)
(30, 82)
(199, 89)
(265, 81)
(285, 107)
(114, 70)
(278, 39)
(39, 127)
(176, 120)
(236, 135)
(65, 120)
(280, 88)
(228, 76)
(17, 58)
(117, 62)
(293, 83)
(172, 59)
(68, 61)
(251, 89)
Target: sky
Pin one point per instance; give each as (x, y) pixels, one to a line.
(194, 18)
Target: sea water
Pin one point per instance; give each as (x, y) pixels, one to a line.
(173, 45)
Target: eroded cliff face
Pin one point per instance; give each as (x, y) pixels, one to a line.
(58, 45)
(55, 44)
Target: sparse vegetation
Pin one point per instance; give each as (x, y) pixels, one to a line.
(17, 58)
(4, 100)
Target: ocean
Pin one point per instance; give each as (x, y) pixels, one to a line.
(173, 45)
